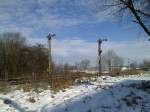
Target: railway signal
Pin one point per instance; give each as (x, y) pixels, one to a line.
(49, 37)
(100, 41)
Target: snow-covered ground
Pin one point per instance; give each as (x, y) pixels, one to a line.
(107, 94)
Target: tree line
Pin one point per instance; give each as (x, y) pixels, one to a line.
(19, 59)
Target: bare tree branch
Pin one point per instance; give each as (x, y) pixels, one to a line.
(143, 13)
(141, 23)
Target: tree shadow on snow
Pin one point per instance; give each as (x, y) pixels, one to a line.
(129, 95)
(15, 105)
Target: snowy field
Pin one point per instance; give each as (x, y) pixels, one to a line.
(106, 94)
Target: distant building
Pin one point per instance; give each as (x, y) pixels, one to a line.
(124, 68)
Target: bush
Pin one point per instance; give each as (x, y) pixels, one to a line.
(5, 87)
(31, 100)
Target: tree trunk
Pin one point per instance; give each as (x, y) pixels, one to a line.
(140, 22)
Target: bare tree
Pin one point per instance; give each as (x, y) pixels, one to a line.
(134, 65)
(146, 63)
(17, 58)
(138, 9)
(83, 64)
(111, 59)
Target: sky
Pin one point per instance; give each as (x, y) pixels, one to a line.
(77, 24)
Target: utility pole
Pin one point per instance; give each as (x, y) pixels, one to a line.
(49, 37)
(109, 65)
(129, 63)
(100, 41)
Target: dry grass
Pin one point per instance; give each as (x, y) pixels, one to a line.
(5, 87)
(25, 87)
(131, 72)
(57, 83)
(36, 87)
(118, 72)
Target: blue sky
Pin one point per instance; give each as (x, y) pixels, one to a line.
(77, 25)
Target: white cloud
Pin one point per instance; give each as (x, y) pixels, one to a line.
(49, 13)
(136, 50)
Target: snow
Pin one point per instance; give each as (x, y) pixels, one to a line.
(106, 94)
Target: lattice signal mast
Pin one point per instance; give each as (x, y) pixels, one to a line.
(100, 41)
(49, 37)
